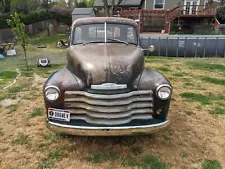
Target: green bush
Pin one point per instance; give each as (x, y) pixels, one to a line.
(33, 17)
(3, 21)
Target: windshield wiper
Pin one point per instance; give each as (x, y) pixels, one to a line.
(118, 40)
(92, 42)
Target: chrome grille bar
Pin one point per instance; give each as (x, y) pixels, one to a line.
(113, 121)
(75, 112)
(109, 109)
(114, 102)
(69, 94)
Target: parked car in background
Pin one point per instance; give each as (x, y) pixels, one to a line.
(105, 89)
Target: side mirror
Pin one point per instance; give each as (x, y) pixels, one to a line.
(151, 48)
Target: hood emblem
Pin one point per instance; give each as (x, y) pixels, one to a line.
(109, 86)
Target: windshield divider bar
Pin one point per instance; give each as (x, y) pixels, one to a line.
(105, 33)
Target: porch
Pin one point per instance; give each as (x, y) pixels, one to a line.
(161, 20)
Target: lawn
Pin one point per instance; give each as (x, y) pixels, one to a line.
(195, 138)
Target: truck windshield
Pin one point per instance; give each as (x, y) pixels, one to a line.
(105, 32)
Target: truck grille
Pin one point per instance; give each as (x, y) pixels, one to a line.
(109, 109)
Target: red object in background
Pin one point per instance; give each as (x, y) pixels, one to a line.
(208, 11)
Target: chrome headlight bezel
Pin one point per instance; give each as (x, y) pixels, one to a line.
(163, 86)
(54, 88)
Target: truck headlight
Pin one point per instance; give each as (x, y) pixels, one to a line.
(52, 93)
(164, 91)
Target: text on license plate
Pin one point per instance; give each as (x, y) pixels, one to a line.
(58, 114)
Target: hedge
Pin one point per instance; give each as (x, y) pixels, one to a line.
(26, 19)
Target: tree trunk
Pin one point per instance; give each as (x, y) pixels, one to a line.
(75, 3)
(106, 7)
(25, 53)
(111, 13)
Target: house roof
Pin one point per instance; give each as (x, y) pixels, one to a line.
(82, 11)
(99, 3)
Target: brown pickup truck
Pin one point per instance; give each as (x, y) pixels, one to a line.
(105, 90)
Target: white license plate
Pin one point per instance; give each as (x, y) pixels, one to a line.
(58, 114)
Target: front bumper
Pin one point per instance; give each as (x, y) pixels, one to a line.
(105, 131)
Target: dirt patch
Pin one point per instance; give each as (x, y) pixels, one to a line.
(8, 102)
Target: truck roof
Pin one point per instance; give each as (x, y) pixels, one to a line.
(103, 20)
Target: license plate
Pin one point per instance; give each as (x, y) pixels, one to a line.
(58, 114)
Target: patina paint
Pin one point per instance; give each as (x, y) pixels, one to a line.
(102, 63)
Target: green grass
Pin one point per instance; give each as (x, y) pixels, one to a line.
(131, 162)
(36, 112)
(3, 95)
(12, 107)
(147, 162)
(15, 89)
(221, 97)
(218, 110)
(48, 162)
(96, 158)
(44, 72)
(52, 137)
(157, 59)
(180, 74)
(19, 87)
(196, 97)
(211, 164)
(27, 73)
(100, 157)
(164, 69)
(136, 150)
(22, 140)
(206, 66)
(213, 80)
(48, 40)
(8, 74)
(6, 77)
(152, 162)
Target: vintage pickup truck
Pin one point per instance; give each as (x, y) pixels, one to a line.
(105, 90)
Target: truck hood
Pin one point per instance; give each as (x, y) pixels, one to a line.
(105, 63)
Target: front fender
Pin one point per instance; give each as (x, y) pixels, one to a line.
(65, 81)
(150, 80)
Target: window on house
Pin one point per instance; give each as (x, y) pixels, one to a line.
(133, 8)
(119, 9)
(194, 8)
(159, 4)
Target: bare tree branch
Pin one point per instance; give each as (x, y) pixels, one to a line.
(118, 3)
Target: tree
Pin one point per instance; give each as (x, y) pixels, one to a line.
(18, 29)
(5, 5)
(219, 7)
(110, 8)
(221, 2)
(62, 15)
